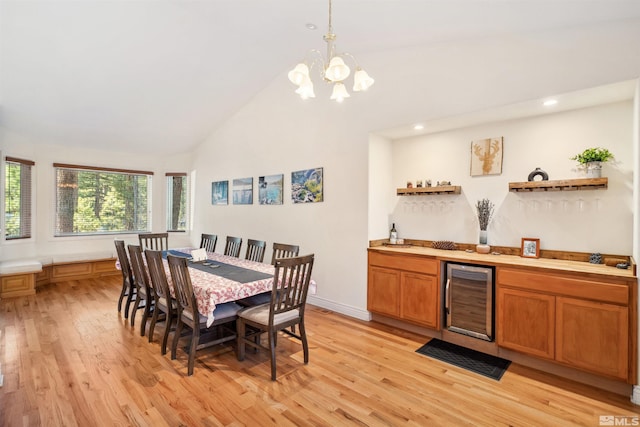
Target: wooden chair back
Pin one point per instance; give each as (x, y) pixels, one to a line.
(154, 241)
(282, 250)
(232, 247)
(157, 274)
(123, 259)
(139, 270)
(182, 286)
(208, 242)
(255, 250)
(290, 285)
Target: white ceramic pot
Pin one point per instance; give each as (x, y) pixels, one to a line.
(594, 169)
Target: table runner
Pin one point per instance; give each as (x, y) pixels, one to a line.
(228, 271)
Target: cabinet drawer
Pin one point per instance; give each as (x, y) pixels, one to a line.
(563, 285)
(106, 266)
(404, 262)
(71, 270)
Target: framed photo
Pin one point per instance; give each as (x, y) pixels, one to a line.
(270, 189)
(220, 193)
(243, 191)
(306, 186)
(486, 156)
(530, 248)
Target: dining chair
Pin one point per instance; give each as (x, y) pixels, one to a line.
(286, 309)
(208, 242)
(224, 314)
(164, 302)
(128, 284)
(255, 250)
(280, 250)
(283, 250)
(155, 241)
(144, 296)
(232, 247)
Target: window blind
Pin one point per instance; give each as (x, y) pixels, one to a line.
(17, 198)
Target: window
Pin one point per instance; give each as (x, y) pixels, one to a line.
(92, 200)
(17, 198)
(177, 201)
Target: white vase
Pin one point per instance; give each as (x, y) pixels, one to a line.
(482, 247)
(594, 169)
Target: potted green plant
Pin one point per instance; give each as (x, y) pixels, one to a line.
(591, 159)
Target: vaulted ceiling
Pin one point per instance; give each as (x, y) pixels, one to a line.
(149, 74)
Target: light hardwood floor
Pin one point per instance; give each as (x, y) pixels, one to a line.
(69, 359)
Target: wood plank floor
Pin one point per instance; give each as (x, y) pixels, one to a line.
(69, 359)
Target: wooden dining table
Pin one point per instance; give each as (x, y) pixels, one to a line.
(223, 278)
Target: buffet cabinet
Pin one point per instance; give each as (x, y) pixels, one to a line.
(582, 322)
(404, 287)
(565, 314)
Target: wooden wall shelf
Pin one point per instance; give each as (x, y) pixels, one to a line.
(560, 185)
(421, 191)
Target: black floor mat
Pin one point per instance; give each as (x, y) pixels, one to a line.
(474, 361)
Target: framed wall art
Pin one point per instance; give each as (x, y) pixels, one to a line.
(270, 189)
(530, 248)
(306, 186)
(486, 156)
(243, 191)
(220, 193)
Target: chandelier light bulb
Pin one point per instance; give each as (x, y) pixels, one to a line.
(337, 70)
(361, 80)
(339, 92)
(306, 89)
(299, 74)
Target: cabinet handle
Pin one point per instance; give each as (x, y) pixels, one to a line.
(447, 296)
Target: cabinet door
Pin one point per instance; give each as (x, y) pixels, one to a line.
(420, 299)
(526, 322)
(383, 293)
(593, 336)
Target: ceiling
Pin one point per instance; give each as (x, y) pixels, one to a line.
(162, 75)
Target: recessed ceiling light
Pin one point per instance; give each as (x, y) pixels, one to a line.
(310, 26)
(550, 102)
(418, 127)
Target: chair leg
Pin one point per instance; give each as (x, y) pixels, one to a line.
(303, 338)
(165, 338)
(195, 337)
(240, 332)
(122, 294)
(272, 347)
(130, 296)
(152, 326)
(176, 337)
(145, 316)
(136, 304)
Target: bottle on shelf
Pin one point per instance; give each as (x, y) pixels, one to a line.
(393, 234)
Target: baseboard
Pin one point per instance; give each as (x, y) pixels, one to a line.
(347, 310)
(635, 395)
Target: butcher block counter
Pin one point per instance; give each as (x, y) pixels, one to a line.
(570, 313)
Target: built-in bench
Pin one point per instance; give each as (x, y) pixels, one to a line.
(22, 277)
(17, 277)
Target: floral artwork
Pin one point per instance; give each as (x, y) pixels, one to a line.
(243, 191)
(270, 189)
(306, 186)
(219, 192)
(486, 156)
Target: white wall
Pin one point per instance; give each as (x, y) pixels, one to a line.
(44, 153)
(584, 221)
(381, 185)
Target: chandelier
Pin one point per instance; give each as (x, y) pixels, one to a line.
(334, 70)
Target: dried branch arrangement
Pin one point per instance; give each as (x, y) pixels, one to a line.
(485, 210)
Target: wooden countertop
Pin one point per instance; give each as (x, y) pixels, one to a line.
(511, 260)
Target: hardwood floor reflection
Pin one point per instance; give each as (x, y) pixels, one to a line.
(68, 358)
